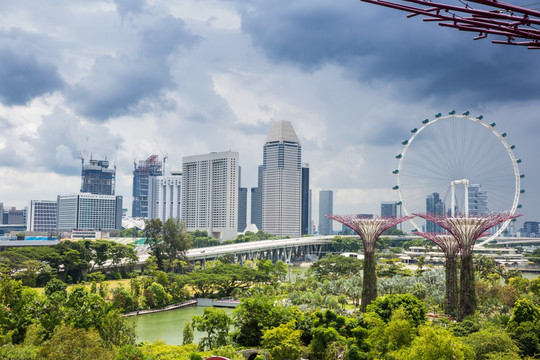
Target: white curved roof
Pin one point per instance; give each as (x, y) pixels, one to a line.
(282, 131)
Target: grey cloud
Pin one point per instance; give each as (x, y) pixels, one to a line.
(117, 85)
(378, 44)
(26, 72)
(124, 7)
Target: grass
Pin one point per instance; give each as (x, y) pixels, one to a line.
(110, 283)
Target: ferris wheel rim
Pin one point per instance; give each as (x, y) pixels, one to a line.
(500, 136)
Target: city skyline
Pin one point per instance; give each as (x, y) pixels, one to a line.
(127, 80)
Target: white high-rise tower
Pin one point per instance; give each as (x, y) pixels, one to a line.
(282, 181)
(210, 194)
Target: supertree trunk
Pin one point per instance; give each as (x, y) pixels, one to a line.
(451, 286)
(369, 285)
(467, 301)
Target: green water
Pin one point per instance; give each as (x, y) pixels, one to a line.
(168, 325)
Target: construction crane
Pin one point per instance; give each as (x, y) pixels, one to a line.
(165, 155)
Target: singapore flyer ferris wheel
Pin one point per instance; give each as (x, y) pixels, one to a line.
(457, 164)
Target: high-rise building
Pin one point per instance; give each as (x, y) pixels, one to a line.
(97, 178)
(326, 207)
(389, 209)
(42, 216)
(434, 205)
(165, 196)
(89, 212)
(310, 219)
(14, 216)
(282, 181)
(306, 205)
(256, 200)
(141, 181)
(242, 203)
(478, 203)
(1, 213)
(210, 194)
(531, 228)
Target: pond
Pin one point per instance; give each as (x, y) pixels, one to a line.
(168, 325)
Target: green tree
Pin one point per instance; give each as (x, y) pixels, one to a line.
(385, 306)
(187, 335)
(69, 343)
(491, 342)
(335, 266)
(283, 342)
(435, 343)
(215, 323)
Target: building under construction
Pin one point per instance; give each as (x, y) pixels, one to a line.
(98, 178)
(141, 180)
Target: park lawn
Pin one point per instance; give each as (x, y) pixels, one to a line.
(110, 283)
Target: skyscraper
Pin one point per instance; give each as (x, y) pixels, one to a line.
(434, 205)
(97, 178)
(282, 181)
(389, 209)
(42, 215)
(242, 203)
(210, 194)
(326, 207)
(89, 212)
(165, 196)
(306, 204)
(478, 203)
(141, 180)
(256, 200)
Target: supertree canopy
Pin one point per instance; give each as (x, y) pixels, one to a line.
(466, 229)
(516, 24)
(450, 247)
(369, 229)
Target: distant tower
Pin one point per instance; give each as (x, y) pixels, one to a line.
(164, 196)
(326, 207)
(478, 203)
(434, 205)
(282, 181)
(306, 204)
(210, 194)
(242, 203)
(141, 181)
(97, 178)
(256, 200)
(389, 209)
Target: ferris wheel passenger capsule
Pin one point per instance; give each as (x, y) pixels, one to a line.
(522, 191)
(480, 117)
(466, 113)
(492, 124)
(438, 115)
(518, 161)
(404, 142)
(425, 121)
(521, 176)
(399, 156)
(519, 206)
(395, 187)
(414, 130)
(512, 147)
(452, 112)
(503, 134)
(395, 171)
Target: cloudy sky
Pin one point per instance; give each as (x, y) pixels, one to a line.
(117, 78)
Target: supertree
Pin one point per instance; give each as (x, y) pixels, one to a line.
(369, 229)
(450, 247)
(466, 229)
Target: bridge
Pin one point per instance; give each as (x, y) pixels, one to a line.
(285, 250)
(514, 241)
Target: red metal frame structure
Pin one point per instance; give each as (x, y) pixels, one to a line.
(369, 229)
(466, 229)
(519, 25)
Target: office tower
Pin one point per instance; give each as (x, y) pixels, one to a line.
(305, 199)
(89, 212)
(14, 216)
(531, 228)
(256, 200)
(210, 194)
(165, 196)
(478, 203)
(141, 180)
(1, 213)
(434, 205)
(242, 203)
(310, 220)
(326, 207)
(42, 216)
(97, 178)
(282, 181)
(389, 209)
